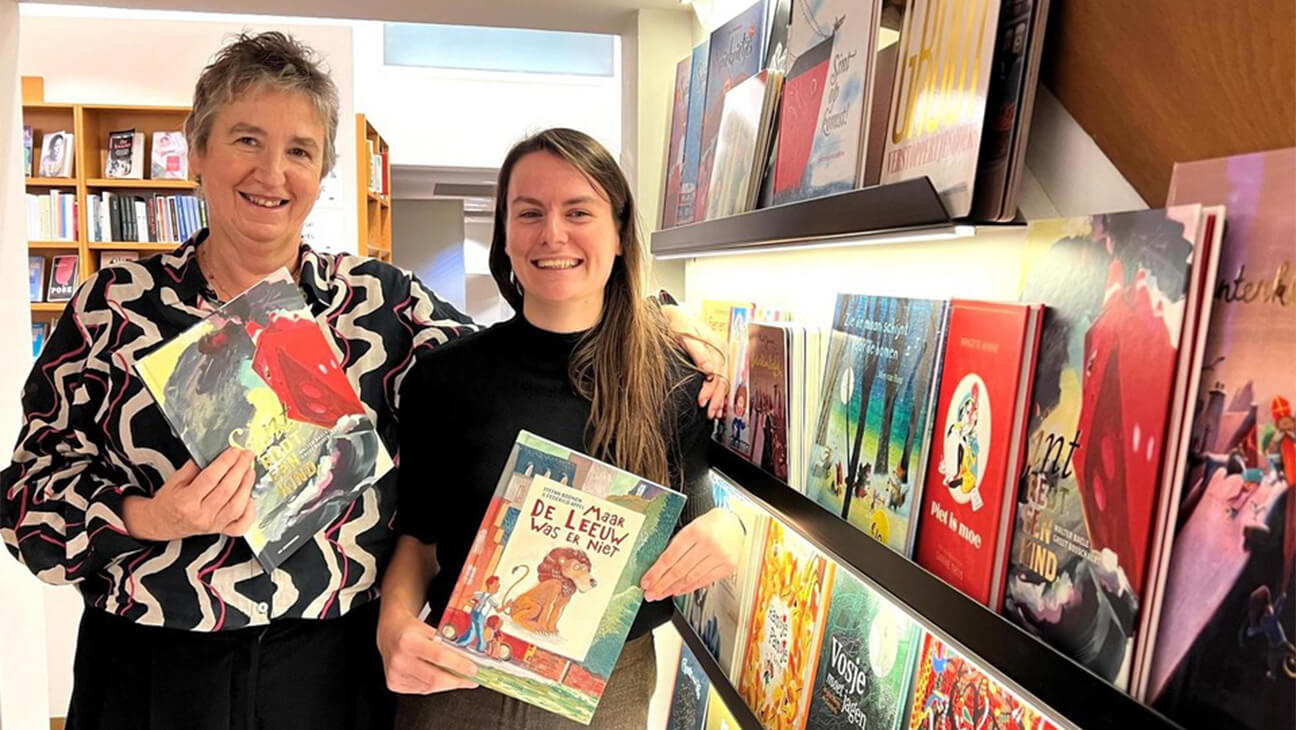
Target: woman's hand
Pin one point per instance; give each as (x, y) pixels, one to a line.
(707, 353)
(215, 500)
(413, 656)
(706, 550)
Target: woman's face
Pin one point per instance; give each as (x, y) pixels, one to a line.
(562, 237)
(262, 167)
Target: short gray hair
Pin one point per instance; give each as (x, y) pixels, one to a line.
(272, 59)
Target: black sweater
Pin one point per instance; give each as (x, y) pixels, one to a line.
(462, 406)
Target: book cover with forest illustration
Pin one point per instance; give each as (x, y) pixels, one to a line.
(258, 374)
(551, 586)
(869, 456)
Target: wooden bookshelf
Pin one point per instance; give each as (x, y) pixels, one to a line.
(373, 209)
(134, 246)
(117, 183)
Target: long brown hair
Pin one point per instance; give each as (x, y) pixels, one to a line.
(623, 364)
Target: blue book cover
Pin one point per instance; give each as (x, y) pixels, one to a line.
(735, 55)
(693, 134)
(688, 708)
(36, 278)
(40, 330)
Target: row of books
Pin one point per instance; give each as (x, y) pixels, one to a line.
(377, 169)
(1115, 472)
(64, 275)
(808, 644)
(795, 99)
(52, 216)
(153, 218)
(124, 157)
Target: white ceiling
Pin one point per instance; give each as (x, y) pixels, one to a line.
(597, 16)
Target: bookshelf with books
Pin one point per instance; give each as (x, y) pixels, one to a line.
(373, 191)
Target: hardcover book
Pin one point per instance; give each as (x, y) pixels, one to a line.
(1219, 657)
(691, 696)
(979, 444)
(686, 211)
(551, 587)
(952, 693)
(675, 144)
(735, 430)
(39, 330)
(769, 352)
(1116, 287)
(57, 155)
(784, 629)
(108, 258)
(65, 274)
(125, 155)
(258, 374)
(27, 151)
(869, 455)
(36, 278)
(735, 55)
(718, 612)
(742, 144)
(821, 126)
(718, 714)
(866, 661)
(170, 156)
(939, 100)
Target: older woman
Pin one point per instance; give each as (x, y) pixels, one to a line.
(182, 626)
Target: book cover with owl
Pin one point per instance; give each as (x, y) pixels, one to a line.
(550, 588)
(978, 445)
(866, 661)
(784, 629)
(869, 455)
(951, 692)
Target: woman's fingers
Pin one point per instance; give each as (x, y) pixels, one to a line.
(669, 566)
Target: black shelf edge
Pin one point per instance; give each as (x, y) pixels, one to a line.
(1062, 686)
(880, 209)
(723, 686)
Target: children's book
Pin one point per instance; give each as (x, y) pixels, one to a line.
(1219, 656)
(259, 374)
(551, 587)
(735, 430)
(718, 714)
(36, 278)
(769, 353)
(869, 457)
(685, 211)
(675, 144)
(717, 612)
(951, 692)
(866, 660)
(692, 693)
(965, 526)
(1117, 288)
(784, 629)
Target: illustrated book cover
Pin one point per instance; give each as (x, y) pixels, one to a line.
(1224, 653)
(718, 612)
(36, 278)
(259, 374)
(769, 352)
(742, 144)
(869, 455)
(718, 714)
(170, 156)
(551, 586)
(675, 143)
(27, 151)
(691, 695)
(125, 155)
(866, 661)
(39, 332)
(735, 55)
(734, 430)
(939, 100)
(1116, 287)
(686, 211)
(978, 446)
(784, 629)
(952, 693)
(65, 274)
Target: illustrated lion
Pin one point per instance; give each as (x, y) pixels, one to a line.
(562, 573)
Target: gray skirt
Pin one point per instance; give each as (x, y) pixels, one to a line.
(624, 705)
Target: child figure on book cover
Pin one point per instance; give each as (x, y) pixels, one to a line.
(538, 562)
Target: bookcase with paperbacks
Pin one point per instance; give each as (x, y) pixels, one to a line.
(903, 215)
(373, 191)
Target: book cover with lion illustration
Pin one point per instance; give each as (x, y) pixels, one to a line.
(551, 586)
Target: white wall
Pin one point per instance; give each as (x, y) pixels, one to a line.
(450, 118)
(136, 60)
(428, 239)
(23, 686)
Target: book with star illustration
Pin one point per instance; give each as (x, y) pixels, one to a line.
(259, 374)
(550, 589)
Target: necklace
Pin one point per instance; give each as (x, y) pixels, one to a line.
(222, 293)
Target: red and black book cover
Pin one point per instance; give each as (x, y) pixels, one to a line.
(978, 445)
(802, 94)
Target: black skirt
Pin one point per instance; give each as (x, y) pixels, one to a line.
(291, 674)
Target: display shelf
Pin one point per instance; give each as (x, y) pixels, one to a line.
(1001, 647)
(132, 184)
(722, 684)
(54, 307)
(131, 246)
(53, 245)
(909, 207)
(373, 208)
(50, 182)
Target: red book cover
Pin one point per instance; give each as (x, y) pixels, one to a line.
(977, 445)
(802, 95)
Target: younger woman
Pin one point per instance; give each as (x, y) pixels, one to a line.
(588, 363)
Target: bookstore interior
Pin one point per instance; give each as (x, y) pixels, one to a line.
(1006, 316)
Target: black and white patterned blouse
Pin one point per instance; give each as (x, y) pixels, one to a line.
(92, 435)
